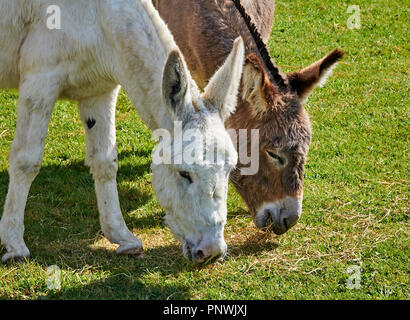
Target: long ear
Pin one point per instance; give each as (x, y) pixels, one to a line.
(262, 14)
(222, 90)
(306, 80)
(256, 89)
(175, 83)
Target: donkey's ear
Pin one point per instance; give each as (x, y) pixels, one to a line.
(306, 80)
(222, 90)
(255, 83)
(175, 83)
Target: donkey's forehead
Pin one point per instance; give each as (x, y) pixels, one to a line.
(217, 136)
(286, 127)
(290, 139)
(218, 151)
(214, 151)
(289, 144)
(209, 124)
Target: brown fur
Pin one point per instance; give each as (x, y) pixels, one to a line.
(304, 81)
(205, 31)
(262, 12)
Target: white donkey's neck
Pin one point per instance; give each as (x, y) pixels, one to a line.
(142, 43)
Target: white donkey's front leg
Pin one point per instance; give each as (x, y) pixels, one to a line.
(98, 117)
(38, 95)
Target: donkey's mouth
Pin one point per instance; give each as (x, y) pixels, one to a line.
(186, 248)
(211, 260)
(268, 220)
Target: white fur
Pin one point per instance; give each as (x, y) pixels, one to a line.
(326, 75)
(221, 90)
(104, 44)
(252, 89)
(320, 83)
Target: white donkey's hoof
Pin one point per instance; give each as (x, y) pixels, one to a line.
(15, 257)
(134, 248)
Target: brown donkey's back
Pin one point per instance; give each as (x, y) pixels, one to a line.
(270, 101)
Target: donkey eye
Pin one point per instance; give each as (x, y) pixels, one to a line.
(186, 176)
(276, 157)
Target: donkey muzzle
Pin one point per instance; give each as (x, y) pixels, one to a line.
(279, 216)
(206, 252)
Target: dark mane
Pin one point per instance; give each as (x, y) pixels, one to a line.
(279, 80)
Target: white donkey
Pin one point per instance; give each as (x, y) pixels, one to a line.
(103, 44)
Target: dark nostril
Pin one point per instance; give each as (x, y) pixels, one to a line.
(264, 221)
(200, 255)
(289, 221)
(268, 218)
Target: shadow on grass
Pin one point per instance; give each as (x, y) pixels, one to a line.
(251, 248)
(62, 224)
(129, 277)
(122, 287)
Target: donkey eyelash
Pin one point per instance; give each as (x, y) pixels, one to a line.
(276, 157)
(186, 176)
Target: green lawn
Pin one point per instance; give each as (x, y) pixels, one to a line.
(356, 203)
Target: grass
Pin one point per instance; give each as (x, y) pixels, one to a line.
(356, 185)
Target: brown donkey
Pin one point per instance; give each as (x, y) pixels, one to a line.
(269, 101)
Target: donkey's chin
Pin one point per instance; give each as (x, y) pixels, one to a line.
(267, 220)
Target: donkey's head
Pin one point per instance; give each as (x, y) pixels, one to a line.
(272, 103)
(191, 185)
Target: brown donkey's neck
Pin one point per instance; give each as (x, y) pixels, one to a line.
(274, 72)
(262, 13)
(214, 25)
